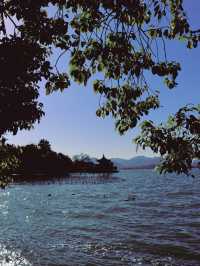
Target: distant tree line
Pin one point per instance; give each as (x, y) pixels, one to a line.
(41, 160)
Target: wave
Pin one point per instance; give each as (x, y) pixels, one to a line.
(12, 258)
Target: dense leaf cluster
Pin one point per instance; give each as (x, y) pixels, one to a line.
(8, 164)
(124, 40)
(27, 36)
(178, 141)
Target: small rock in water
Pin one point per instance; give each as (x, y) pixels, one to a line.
(49, 195)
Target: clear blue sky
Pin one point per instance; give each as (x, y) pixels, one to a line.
(70, 123)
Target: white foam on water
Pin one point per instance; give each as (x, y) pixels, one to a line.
(12, 258)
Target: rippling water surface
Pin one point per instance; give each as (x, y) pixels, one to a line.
(134, 218)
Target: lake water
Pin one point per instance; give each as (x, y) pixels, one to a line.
(134, 218)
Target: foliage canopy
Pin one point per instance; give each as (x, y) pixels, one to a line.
(123, 40)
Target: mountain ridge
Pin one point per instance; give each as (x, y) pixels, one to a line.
(136, 162)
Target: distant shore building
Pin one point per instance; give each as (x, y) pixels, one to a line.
(106, 165)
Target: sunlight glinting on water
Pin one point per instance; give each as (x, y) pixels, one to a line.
(134, 218)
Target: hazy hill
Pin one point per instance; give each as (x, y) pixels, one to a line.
(136, 162)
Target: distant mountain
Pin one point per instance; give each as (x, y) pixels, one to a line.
(136, 162)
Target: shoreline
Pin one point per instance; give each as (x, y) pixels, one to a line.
(31, 177)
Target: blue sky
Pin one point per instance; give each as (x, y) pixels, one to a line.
(71, 125)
